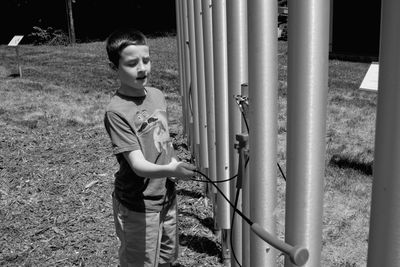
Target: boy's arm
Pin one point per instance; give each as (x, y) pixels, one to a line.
(144, 168)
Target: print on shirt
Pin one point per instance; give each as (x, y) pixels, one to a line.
(157, 123)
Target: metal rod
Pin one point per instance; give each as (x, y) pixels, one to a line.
(201, 88)
(180, 53)
(308, 45)
(179, 43)
(263, 88)
(384, 238)
(186, 55)
(221, 107)
(193, 85)
(209, 85)
(245, 195)
(237, 75)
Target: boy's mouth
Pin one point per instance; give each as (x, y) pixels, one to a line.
(141, 78)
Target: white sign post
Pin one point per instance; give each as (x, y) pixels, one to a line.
(14, 42)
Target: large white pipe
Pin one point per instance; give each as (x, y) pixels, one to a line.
(263, 96)
(201, 88)
(221, 107)
(193, 95)
(178, 44)
(237, 75)
(180, 51)
(186, 60)
(209, 84)
(384, 235)
(308, 45)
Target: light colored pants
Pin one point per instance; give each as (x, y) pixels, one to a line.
(147, 239)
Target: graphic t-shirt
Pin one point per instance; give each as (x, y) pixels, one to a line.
(140, 123)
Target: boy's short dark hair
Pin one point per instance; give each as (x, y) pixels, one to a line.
(121, 38)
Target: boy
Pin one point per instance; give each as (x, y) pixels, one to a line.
(144, 197)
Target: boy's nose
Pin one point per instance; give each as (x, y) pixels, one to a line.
(141, 67)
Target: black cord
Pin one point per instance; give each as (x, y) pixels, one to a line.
(250, 222)
(190, 99)
(283, 175)
(234, 207)
(216, 182)
(245, 120)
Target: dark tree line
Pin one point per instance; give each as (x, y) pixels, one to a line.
(93, 19)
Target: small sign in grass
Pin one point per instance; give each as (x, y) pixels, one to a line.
(370, 81)
(14, 43)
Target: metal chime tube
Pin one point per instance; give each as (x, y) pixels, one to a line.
(193, 95)
(209, 85)
(384, 237)
(186, 59)
(263, 97)
(308, 46)
(201, 88)
(237, 75)
(180, 52)
(221, 118)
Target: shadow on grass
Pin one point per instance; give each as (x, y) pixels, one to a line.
(191, 194)
(346, 162)
(14, 75)
(200, 244)
(206, 222)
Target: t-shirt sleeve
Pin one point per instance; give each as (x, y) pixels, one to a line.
(122, 137)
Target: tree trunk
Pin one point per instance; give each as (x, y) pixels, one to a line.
(71, 27)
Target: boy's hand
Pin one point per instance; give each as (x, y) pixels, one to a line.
(182, 170)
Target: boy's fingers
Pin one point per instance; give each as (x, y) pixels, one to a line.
(189, 166)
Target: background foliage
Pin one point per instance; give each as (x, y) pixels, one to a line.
(94, 19)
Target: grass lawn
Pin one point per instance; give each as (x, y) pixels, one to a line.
(56, 166)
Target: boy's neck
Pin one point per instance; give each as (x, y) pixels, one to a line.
(130, 91)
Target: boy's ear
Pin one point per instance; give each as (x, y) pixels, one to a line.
(112, 66)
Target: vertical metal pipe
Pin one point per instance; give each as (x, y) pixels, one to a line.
(237, 75)
(306, 124)
(330, 25)
(221, 107)
(181, 68)
(178, 44)
(245, 198)
(384, 237)
(263, 96)
(193, 95)
(186, 56)
(209, 85)
(201, 88)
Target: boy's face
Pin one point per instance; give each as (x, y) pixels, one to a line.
(134, 66)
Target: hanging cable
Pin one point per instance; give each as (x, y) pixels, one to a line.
(216, 182)
(225, 197)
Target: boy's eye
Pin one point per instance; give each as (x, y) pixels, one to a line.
(133, 63)
(146, 60)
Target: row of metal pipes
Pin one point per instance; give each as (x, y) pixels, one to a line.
(224, 44)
